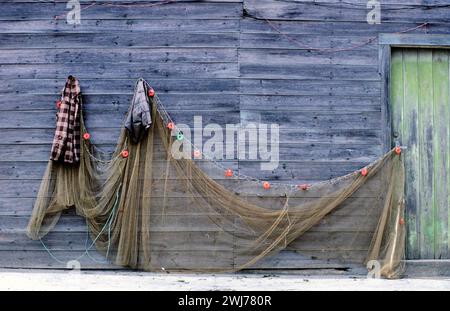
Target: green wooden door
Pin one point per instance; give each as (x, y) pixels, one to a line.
(420, 109)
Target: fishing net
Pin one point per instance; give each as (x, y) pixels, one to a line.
(133, 203)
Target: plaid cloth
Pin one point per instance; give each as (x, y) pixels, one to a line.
(66, 142)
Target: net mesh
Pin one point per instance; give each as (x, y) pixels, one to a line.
(130, 204)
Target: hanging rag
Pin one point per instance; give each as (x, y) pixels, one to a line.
(139, 117)
(66, 142)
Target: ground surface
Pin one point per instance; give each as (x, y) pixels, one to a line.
(65, 280)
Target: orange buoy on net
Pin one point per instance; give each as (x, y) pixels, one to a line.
(229, 173)
(151, 92)
(170, 125)
(86, 136)
(398, 150)
(124, 153)
(266, 185)
(402, 221)
(58, 104)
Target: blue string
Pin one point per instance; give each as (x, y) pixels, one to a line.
(108, 224)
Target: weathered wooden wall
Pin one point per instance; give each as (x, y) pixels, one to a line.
(217, 58)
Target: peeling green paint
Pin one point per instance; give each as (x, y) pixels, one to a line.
(420, 105)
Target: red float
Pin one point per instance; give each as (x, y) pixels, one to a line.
(170, 125)
(151, 92)
(364, 171)
(303, 186)
(266, 185)
(228, 173)
(124, 153)
(58, 104)
(197, 153)
(86, 136)
(398, 150)
(402, 221)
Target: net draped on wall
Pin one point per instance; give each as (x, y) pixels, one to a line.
(123, 197)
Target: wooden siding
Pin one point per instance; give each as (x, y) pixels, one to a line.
(220, 59)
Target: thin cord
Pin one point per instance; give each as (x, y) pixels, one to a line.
(153, 4)
(108, 223)
(331, 50)
(165, 116)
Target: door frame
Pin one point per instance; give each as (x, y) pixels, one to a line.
(387, 41)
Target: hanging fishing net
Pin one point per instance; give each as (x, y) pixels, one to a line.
(133, 199)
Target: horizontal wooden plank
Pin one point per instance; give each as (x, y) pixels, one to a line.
(340, 11)
(46, 118)
(22, 206)
(199, 241)
(119, 25)
(287, 152)
(159, 241)
(103, 70)
(302, 137)
(121, 86)
(41, 259)
(168, 260)
(118, 55)
(35, 169)
(174, 10)
(357, 120)
(338, 28)
(299, 103)
(310, 72)
(121, 102)
(310, 87)
(323, 43)
(200, 102)
(289, 57)
(96, 119)
(428, 40)
(305, 172)
(192, 223)
(125, 2)
(27, 188)
(248, 86)
(108, 40)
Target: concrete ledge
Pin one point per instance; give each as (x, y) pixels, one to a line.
(427, 268)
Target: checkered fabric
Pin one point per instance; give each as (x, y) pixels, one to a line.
(66, 142)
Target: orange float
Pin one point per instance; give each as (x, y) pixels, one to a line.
(228, 173)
